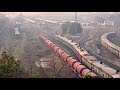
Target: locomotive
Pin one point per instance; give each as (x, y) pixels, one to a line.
(88, 60)
(17, 33)
(74, 64)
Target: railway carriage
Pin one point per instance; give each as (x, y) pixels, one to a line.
(89, 61)
(17, 33)
(110, 46)
(73, 63)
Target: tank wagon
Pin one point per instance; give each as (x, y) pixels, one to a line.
(88, 60)
(74, 64)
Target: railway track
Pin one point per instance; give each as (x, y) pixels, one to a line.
(64, 47)
(104, 60)
(101, 58)
(76, 66)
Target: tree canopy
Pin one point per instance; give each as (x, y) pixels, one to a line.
(75, 28)
(3, 20)
(9, 68)
(71, 28)
(65, 27)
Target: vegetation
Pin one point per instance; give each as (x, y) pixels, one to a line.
(20, 17)
(21, 54)
(75, 29)
(9, 68)
(65, 27)
(56, 66)
(88, 76)
(3, 20)
(71, 28)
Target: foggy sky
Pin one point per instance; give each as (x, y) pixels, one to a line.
(64, 13)
(60, 15)
(57, 13)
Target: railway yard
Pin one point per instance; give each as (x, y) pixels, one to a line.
(29, 49)
(43, 54)
(92, 44)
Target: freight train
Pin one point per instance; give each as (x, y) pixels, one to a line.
(74, 64)
(88, 60)
(110, 46)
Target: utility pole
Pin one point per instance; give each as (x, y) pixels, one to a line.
(76, 17)
(75, 21)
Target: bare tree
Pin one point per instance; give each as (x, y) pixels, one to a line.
(56, 65)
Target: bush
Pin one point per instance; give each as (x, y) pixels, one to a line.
(9, 68)
(88, 76)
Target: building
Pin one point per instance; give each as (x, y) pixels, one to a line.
(106, 23)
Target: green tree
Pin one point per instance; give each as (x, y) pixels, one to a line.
(88, 76)
(34, 75)
(75, 28)
(9, 68)
(65, 27)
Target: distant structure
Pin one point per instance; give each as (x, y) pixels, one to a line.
(17, 33)
(83, 24)
(106, 23)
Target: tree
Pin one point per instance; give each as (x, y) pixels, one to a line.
(3, 20)
(56, 66)
(9, 68)
(65, 27)
(71, 28)
(20, 18)
(88, 76)
(75, 28)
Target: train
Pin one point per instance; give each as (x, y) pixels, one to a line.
(17, 33)
(109, 45)
(89, 60)
(74, 64)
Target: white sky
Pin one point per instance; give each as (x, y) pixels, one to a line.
(52, 14)
(55, 13)
(61, 13)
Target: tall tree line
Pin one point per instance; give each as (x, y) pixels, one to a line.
(74, 28)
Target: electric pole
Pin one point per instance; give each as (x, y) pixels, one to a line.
(76, 17)
(75, 21)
